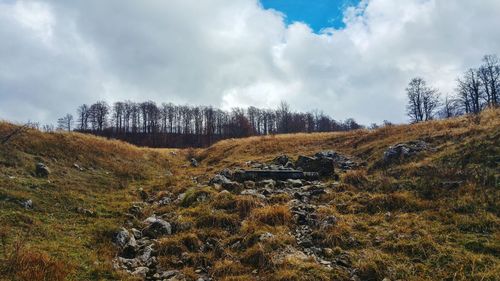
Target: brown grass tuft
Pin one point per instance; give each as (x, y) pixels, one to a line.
(272, 215)
(26, 265)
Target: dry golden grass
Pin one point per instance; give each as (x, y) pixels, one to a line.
(273, 215)
(26, 265)
(399, 221)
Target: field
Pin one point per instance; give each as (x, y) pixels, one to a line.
(433, 216)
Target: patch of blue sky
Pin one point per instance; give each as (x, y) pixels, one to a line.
(318, 14)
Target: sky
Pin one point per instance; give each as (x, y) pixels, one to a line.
(346, 58)
(317, 14)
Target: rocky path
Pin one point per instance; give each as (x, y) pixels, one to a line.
(137, 254)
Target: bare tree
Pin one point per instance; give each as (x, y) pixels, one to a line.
(65, 123)
(489, 74)
(470, 91)
(422, 100)
(83, 117)
(450, 108)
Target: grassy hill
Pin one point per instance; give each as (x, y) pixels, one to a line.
(433, 216)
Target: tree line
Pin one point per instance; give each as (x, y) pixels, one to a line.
(477, 89)
(170, 125)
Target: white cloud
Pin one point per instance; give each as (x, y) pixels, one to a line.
(56, 55)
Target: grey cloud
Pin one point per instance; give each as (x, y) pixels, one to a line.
(58, 54)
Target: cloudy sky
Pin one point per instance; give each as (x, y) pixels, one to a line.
(345, 57)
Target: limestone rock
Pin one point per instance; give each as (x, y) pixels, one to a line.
(157, 228)
(41, 170)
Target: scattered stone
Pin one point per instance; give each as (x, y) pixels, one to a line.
(143, 194)
(329, 222)
(403, 151)
(28, 204)
(249, 184)
(156, 228)
(164, 201)
(141, 271)
(252, 192)
(76, 166)
(294, 183)
(388, 216)
(339, 160)
(194, 162)
(85, 212)
(122, 237)
(281, 160)
(323, 166)
(451, 184)
(265, 236)
(135, 210)
(137, 233)
(41, 170)
(219, 179)
(130, 249)
(267, 183)
(327, 252)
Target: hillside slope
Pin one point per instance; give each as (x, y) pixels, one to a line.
(430, 216)
(75, 211)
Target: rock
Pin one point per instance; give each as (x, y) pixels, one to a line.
(339, 160)
(128, 263)
(85, 212)
(141, 271)
(252, 192)
(402, 151)
(323, 166)
(388, 216)
(28, 204)
(265, 236)
(130, 249)
(41, 170)
(294, 183)
(157, 228)
(267, 183)
(327, 252)
(227, 173)
(451, 184)
(329, 222)
(143, 194)
(146, 255)
(122, 237)
(135, 210)
(225, 183)
(169, 274)
(249, 184)
(219, 179)
(76, 166)
(137, 233)
(164, 201)
(281, 160)
(194, 162)
(232, 186)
